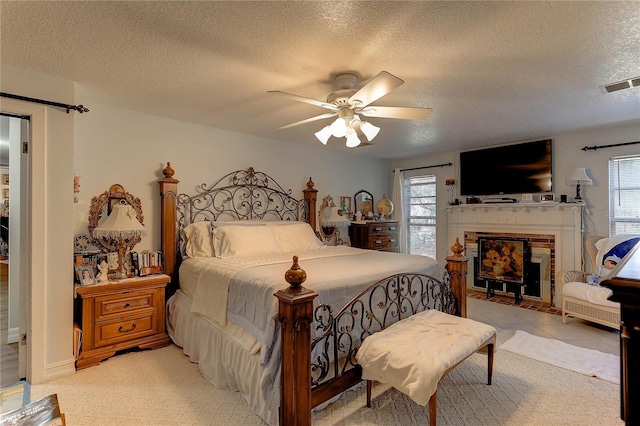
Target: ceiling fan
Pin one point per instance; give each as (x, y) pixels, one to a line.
(347, 104)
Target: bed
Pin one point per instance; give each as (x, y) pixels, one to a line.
(230, 247)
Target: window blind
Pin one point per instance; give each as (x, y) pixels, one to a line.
(624, 195)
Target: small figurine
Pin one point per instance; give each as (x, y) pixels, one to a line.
(609, 263)
(103, 267)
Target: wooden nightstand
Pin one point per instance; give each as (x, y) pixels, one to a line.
(121, 315)
(375, 235)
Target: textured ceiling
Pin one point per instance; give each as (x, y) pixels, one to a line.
(493, 72)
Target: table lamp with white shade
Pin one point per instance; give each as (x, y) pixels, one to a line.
(120, 228)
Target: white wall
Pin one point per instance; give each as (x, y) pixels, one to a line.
(567, 155)
(114, 145)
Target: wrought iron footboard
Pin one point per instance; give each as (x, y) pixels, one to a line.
(382, 304)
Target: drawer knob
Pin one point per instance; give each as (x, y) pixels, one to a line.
(393, 228)
(392, 240)
(378, 241)
(122, 330)
(378, 229)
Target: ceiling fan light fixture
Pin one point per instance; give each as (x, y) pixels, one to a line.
(339, 128)
(369, 130)
(324, 134)
(352, 139)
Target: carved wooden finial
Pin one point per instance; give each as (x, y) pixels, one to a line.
(310, 184)
(457, 248)
(168, 171)
(296, 275)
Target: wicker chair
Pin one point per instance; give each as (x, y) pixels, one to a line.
(580, 308)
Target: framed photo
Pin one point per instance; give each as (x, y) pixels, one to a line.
(85, 275)
(5, 178)
(345, 204)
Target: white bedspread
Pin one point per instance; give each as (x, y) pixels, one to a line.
(413, 354)
(241, 290)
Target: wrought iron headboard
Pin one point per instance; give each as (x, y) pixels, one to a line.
(240, 195)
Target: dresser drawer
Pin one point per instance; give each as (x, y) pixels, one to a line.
(122, 330)
(126, 304)
(383, 242)
(382, 229)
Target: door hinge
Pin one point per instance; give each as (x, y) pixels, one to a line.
(25, 147)
(23, 339)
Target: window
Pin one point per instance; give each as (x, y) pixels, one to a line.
(420, 193)
(624, 195)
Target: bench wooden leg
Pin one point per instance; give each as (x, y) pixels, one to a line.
(433, 406)
(490, 352)
(369, 385)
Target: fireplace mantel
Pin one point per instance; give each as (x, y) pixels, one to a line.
(562, 220)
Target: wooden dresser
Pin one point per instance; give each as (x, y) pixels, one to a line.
(375, 235)
(625, 284)
(121, 315)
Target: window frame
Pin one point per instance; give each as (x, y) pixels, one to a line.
(408, 183)
(615, 189)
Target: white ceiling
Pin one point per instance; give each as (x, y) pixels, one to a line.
(493, 72)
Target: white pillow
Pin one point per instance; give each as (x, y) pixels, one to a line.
(296, 237)
(220, 223)
(198, 239)
(284, 222)
(244, 241)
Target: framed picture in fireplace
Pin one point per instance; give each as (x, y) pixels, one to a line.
(502, 259)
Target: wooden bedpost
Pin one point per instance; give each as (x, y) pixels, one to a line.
(310, 197)
(296, 316)
(168, 219)
(457, 267)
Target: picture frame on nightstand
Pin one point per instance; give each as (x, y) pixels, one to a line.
(85, 275)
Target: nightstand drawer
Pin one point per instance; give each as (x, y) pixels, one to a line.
(110, 333)
(110, 306)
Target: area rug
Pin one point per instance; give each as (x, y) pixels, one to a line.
(581, 360)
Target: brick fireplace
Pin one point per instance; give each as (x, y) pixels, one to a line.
(553, 233)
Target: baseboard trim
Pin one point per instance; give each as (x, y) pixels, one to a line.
(59, 369)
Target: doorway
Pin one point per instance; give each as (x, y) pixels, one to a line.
(14, 259)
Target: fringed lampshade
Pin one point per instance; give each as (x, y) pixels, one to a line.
(122, 226)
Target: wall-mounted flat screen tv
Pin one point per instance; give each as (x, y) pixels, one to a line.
(521, 168)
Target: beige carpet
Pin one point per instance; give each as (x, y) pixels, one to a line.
(162, 387)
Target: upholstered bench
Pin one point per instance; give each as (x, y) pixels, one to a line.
(414, 354)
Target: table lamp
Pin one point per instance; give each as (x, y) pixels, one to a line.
(121, 227)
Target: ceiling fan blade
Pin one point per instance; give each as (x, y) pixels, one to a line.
(376, 88)
(405, 113)
(306, 100)
(309, 120)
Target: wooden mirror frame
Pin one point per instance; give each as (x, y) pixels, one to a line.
(357, 204)
(116, 194)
